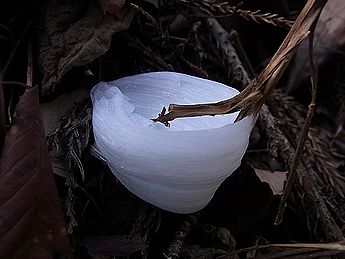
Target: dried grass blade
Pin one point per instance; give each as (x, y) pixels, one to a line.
(250, 100)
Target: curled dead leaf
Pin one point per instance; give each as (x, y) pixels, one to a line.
(31, 219)
(329, 40)
(72, 35)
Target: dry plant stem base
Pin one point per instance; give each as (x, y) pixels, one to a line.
(250, 100)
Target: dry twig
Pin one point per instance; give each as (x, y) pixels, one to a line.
(250, 100)
(2, 114)
(29, 71)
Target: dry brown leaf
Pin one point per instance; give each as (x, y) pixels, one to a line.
(329, 39)
(31, 219)
(74, 35)
(275, 180)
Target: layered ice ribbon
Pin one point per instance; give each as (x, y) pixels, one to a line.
(178, 168)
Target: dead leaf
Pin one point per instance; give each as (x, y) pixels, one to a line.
(74, 35)
(275, 179)
(328, 40)
(31, 220)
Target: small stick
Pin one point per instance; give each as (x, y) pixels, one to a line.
(29, 71)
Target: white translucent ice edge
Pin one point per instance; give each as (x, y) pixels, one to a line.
(148, 93)
(177, 168)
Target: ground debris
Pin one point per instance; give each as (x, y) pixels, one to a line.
(209, 39)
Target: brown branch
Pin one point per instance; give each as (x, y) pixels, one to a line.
(250, 100)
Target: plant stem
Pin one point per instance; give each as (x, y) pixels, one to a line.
(304, 133)
(2, 114)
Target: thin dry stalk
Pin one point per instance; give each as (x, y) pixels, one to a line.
(224, 8)
(304, 133)
(282, 146)
(318, 146)
(2, 75)
(250, 100)
(2, 114)
(29, 71)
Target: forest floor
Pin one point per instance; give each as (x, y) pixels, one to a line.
(53, 52)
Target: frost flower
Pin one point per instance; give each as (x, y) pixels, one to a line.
(178, 168)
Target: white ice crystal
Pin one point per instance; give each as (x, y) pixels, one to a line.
(178, 168)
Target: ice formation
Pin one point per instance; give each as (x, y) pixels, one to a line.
(178, 168)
